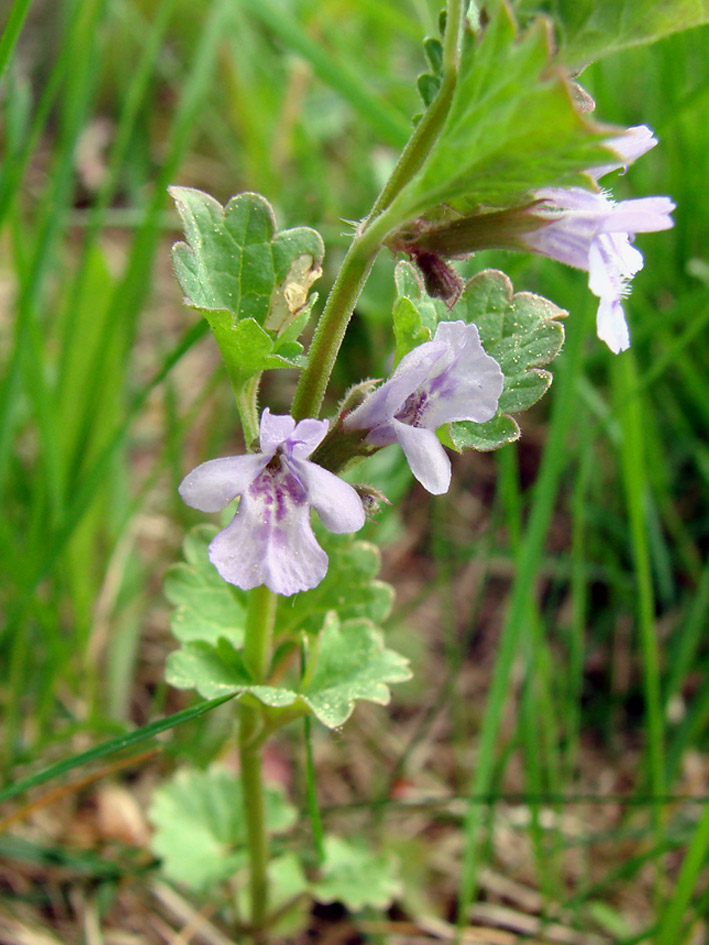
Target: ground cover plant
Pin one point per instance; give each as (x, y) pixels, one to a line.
(541, 775)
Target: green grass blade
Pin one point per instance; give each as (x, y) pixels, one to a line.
(11, 31)
(387, 122)
(630, 412)
(110, 747)
(674, 912)
(544, 496)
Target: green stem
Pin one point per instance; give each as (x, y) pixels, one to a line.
(336, 315)
(255, 817)
(247, 404)
(428, 128)
(260, 619)
(382, 219)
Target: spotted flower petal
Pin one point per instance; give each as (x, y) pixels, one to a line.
(447, 379)
(270, 539)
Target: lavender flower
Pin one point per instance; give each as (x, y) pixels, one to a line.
(270, 539)
(629, 146)
(590, 231)
(441, 381)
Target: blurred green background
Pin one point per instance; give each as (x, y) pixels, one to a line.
(555, 604)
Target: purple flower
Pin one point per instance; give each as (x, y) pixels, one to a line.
(270, 539)
(441, 381)
(591, 232)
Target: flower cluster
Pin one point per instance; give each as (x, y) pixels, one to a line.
(270, 539)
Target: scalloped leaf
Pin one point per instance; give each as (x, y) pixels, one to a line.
(350, 588)
(350, 663)
(250, 282)
(206, 607)
(521, 331)
(356, 877)
(512, 126)
(200, 831)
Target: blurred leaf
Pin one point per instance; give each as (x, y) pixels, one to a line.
(200, 830)
(356, 877)
(512, 126)
(206, 606)
(591, 29)
(249, 281)
(350, 662)
(350, 588)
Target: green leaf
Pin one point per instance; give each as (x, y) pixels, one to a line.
(484, 436)
(591, 29)
(521, 331)
(429, 83)
(350, 663)
(206, 607)
(512, 126)
(350, 588)
(250, 282)
(356, 877)
(200, 832)
(415, 313)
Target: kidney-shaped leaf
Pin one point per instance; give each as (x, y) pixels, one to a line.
(200, 832)
(521, 331)
(351, 663)
(356, 877)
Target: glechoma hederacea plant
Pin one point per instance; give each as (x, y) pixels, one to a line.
(507, 154)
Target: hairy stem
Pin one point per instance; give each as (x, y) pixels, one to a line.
(255, 816)
(428, 128)
(247, 405)
(260, 619)
(336, 315)
(382, 219)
